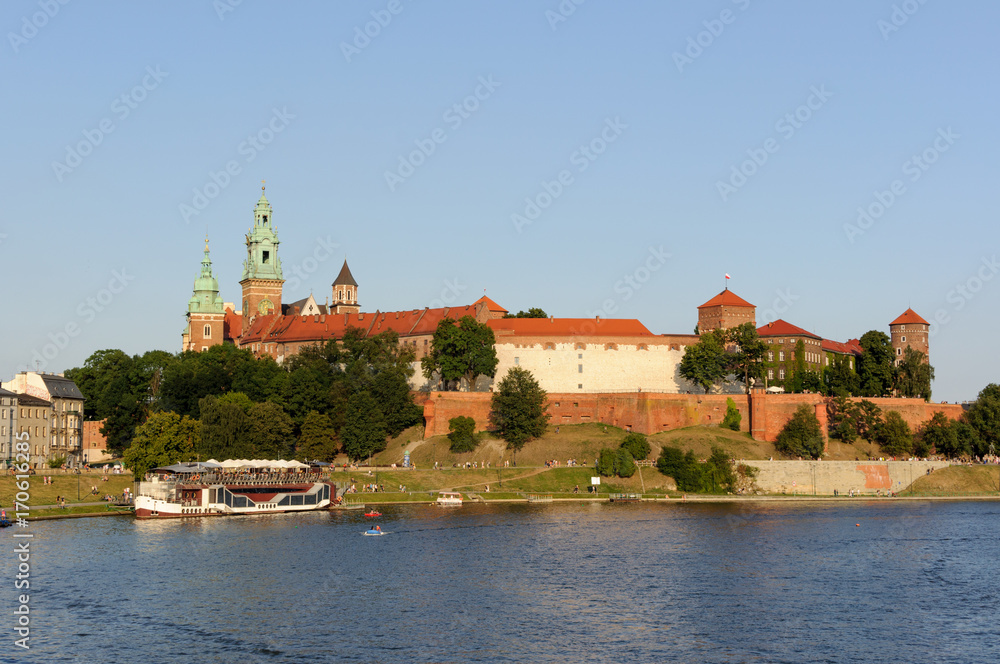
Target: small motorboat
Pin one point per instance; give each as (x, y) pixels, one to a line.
(373, 513)
(374, 532)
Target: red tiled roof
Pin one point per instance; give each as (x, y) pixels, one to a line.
(566, 327)
(909, 317)
(490, 304)
(728, 298)
(782, 328)
(851, 347)
(232, 325)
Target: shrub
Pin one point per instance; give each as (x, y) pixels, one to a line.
(801, 435)
(57, 462)
(733, 417)
(637, 445)
(462, 434)
(720, 471)
(606, 462)
(684, 468)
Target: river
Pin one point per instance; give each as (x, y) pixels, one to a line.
(865, 581)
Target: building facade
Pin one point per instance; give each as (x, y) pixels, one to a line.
(8, 427)
(909, 330)
(56, 426)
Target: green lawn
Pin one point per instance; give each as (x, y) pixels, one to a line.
(63, 485)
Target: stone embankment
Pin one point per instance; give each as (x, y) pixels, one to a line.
(807, 478)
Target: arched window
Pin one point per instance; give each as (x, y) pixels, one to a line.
(208, 331)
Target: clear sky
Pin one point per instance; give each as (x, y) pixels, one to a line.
(659, 143)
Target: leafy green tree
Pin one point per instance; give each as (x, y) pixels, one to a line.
(732, 418)
(624, 463)
(839, 378)
(637, 445)
(272, 432)
(705, 363)
(968, 439)
(517, 408)
(462, 434)
(875, 368)
(688, 473)
(747, 358)
(364, 431)
(318, 439)
(225, 427)
(895, 437)
(869, 420)
(392, 392)
(196, 375)
(720, 471)
(533, 312)
(461, 353)
(606, 461)
(914, 375)
(984, 417)
(842, 419)
(164, 439)
(940, 436)
(801, 436)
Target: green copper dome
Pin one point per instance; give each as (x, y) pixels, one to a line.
(206, 298)
(262, 260)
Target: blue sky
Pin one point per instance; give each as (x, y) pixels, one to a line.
(694, 138)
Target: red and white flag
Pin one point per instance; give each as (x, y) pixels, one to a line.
(727, 275)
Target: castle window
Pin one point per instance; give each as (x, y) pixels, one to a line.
(550, 346)
(579, 386)
(781, 374)
(266, 256)
(904, 338)
(781, 356)
(579, 368)
(770, 374)
(899, 351)
(264, 218)
(208, 331)
(770, 356)
(517, 361)
(581, 347)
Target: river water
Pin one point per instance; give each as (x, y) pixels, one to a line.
(804, 582)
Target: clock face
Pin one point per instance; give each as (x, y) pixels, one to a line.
(265, 307)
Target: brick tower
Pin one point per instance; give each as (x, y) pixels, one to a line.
(345, 293)
(205, 314)
(262, 279)
(725, 310)
(910, 330)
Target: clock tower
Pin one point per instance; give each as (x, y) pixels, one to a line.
(262, 277)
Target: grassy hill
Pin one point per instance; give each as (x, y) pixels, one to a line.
(957, 480)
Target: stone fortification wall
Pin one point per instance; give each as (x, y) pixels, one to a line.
(822, 477)
(764, 415)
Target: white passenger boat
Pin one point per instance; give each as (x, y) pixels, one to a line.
(449, 498)
(213, 488)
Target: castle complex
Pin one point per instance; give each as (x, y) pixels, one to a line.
(566, 355)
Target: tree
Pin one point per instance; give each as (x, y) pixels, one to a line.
(940, 436)
(195, 375)
(318, 439)
(984, 418)
(364, 431)
(606, 459)
(705, 362)
(914, 375)
(895, 437)
(624, 463)
(720, 472)
(637, 445)
(462, 434)
(839, 378)
(801, 436)
(461, 352)
(272, 432)
(517, 409)
(732, 418)
(747, 358)
(164, 439)
(534, 312)
(225, 427)
(842, 419)
(875, 369)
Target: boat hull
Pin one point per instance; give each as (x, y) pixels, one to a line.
(233, 500)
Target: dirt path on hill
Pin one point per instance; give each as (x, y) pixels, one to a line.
(536, 471)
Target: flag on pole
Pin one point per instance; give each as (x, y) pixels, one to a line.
(727, 275)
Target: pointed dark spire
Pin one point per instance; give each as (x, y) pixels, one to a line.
(345, 278)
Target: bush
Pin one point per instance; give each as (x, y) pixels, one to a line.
(462, 434)
(57, 462)
(637, 445)
(733, 417)
(606, 462)
(684, 468)
(801, 435)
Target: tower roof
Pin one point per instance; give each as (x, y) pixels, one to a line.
(345, 278)
(490, 304)
(909, 317)
(726, 297)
